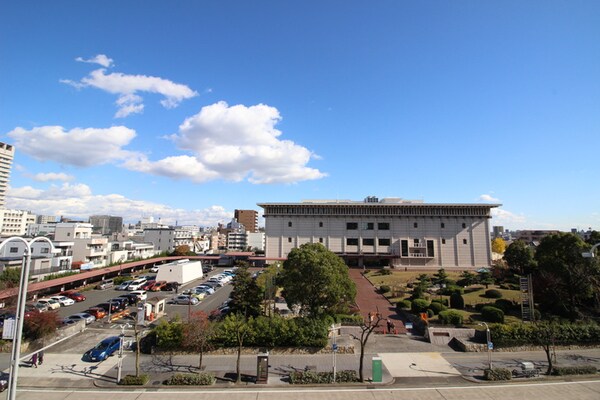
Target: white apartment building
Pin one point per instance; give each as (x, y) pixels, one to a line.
(41, 229)
(121, 251)
(391, 231)
(236, 241)
(255, 240)
(43, 259)
(15, 222)
(7, 153)
(87, 248)
(163, 239)
(183, 237)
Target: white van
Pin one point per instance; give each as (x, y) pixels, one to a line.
(137, 284)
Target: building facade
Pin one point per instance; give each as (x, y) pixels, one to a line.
(248, 218)
(106, 224)
(391, 231)
(7, 153)
(15, 222)
(87, 248)
(163, 239)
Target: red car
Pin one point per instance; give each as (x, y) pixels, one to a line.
(73, 295)
(148, 285)
(97, 312)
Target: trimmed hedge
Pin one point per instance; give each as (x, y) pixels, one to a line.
(134, 380)
(403, 305)
(437, 307)
(505, 305)
(579, 370)
(493, 294)
(313, 377)
(564, 334)
(492, 314)
(457, 301)
(451, 317)
(201, 379)
(419, 305)
(383, 289)
(497, 374)
(347, 319)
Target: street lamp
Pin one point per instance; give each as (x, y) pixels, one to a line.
(489, 342)
(591, 252)
(21, 300)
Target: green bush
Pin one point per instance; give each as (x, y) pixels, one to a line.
(419, 306)
(504, 304)
(383, 289)
(385, 271)
(353, 320)
(403, 305)
(457, 301)
(450, 317)
(437, 307)
(313, 377)
(563, 334)
(430, 313)
(492, 314)
(578, 370)
(449, 289)
(201, 379)
(134, 380)
(510, 286)
(493, 294)
(497, 374)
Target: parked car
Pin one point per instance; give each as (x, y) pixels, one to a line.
(141, 294)
(123, 285)
(97, 312)
(51, 303)
(113, 307)
(123, 303)
(207, 288)
(197, 293)
(136, 284)
(105, 284)
(148, 285)
(158, 285)
(170, 286)
(186, 299)
(78, 297)
(64, 301)
(104, 349)
(40, 307)
(154, 269)
(130, 298)
(214, 284)
(88, 318)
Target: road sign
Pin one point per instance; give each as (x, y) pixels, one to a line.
(335, 347)
(490, 346)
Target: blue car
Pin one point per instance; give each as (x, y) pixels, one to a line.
(104, 349)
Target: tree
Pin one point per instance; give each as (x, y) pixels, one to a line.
(565, 282)
(236, 327)
(40, 325)
(197, 334)
(519, 257)
(316, 280)
(183, 250)
(246, 296)
(10, 277)
(441, 277)
(485, 278)
(498, 245)
(268, 282)
(467, 278)
(366, 328)
(546, 333)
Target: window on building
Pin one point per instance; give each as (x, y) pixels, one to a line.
(14, 249)
(320, 240)
(289, 240)
(68, 233)
(351, 225)
(352, 242)
(464, 241)
(443, 241)
(383, 242)
(289, 224)
(415, 225)
(383, 226)
(404, 248)
(45, 250)
(369, 226)
(464, 225)
(368, 242)
(416, 242)
(320, 224)
(443, 225)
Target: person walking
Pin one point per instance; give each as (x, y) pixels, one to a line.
(41, 357)
(34, 360)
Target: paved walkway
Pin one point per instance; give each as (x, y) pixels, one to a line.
(368, 300)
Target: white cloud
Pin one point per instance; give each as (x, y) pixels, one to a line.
(127, 87)
(79, 146)
(488, 198)
(234, 143)
(99, 59)
(78, 201)
(52, 176)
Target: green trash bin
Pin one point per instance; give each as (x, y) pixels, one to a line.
(377, 369)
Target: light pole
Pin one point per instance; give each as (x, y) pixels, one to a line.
(334, 349)
(489, 342)
(120, 363)
(591, 254)
(21, 300)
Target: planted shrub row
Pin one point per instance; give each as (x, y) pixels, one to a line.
(313, 377)
(579, 370)
(497, 374)
(134, 380)
(201, 379)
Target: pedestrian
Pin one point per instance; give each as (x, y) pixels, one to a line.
(370, 317)
(41, 357)
(389, 326)
(393, 328)
(34, 360)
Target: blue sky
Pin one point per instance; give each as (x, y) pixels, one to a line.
(187, 110)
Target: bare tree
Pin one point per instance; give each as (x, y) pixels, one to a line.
(367, 327)
(197, 334)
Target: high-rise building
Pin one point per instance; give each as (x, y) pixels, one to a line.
(248, 218)
(106, 224)
(7, 153)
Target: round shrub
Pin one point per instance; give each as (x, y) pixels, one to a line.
(383, 289)
(403, 305)
(492, 314)
(493, 294)
(449, 289)
(504, 304)
(430, 313)
(457, 301)
(437, 307)
(451, 317)
(419, 305)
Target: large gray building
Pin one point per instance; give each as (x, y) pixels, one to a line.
(391, 231)
(7, 153)
(106, 224)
